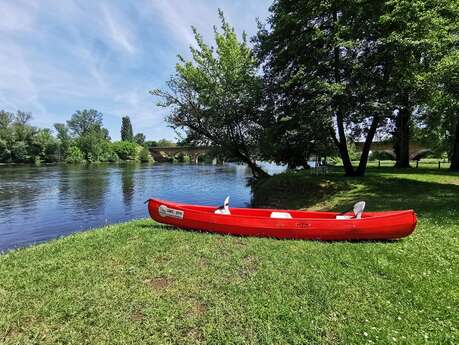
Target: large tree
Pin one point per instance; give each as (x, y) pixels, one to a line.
(354, 64)
(84, 121)
(324, 72)
(215, 97)
(90, 137)
(127, 134)
(441, 114)
(415, 35)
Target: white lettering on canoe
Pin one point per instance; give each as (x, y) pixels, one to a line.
(165, 211)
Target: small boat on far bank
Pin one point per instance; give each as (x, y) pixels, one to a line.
(286, 224)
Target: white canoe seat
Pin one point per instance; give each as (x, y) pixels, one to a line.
(281, 215)
(224, 209)
(358, 210)
(344, 217)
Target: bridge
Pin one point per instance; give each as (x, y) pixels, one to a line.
(167, 154)
(416, 151)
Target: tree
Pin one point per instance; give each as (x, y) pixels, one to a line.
(126, 150)
(216, 96)
(165, 143)
(44, 146)
(442, 109)
(349, 66)
(84, 121)
(414, 36)
(23, 131)
(6, 135)
(139, 138)
(64, 138)
(323, 75)
(90, 137)
(126, 129)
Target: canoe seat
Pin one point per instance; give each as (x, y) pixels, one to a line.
(344, 217)
(281, 215)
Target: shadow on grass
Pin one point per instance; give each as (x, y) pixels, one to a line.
(385, 193)
(381, 192)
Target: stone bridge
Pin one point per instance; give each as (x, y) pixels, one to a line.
(416, 151)
(164, 154)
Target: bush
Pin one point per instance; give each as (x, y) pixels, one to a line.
(145, 156)
(5, 153)
(109, 156)
(19, 152)
(126, 150)
(74, 155)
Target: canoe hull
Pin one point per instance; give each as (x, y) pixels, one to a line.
(304, 225)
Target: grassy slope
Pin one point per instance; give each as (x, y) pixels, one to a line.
(143, 283)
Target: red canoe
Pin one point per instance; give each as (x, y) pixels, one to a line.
(286, 224)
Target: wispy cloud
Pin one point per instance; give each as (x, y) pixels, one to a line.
(118, 29)
(60, 56)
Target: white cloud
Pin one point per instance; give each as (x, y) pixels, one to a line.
(60, 56)
(118, 29)
(17, 16)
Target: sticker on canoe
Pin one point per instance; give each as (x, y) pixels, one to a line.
(165, 211)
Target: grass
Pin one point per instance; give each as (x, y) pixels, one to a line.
(140, 282)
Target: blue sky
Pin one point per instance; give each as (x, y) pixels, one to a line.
(60, 56)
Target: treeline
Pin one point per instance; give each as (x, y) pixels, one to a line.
(320, 77)
(81, 139)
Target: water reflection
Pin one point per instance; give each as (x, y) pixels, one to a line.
(39, 203)
(127, 183)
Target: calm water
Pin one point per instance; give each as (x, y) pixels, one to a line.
(40, 203)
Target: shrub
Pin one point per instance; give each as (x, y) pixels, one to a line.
(19, 152)
(74, 155)
(145, 156)
(126, 150)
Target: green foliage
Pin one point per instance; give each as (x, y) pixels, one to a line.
(139, 138)
(63, 137)
(343, 69)
(127, 134)
(74, 155)
(93, 144)
(84, 121)
(19, 152)
(82, 139)
(165, 143)
(150, 143)
(44, 146)
(144, 155)
(215, 97)
(126, 150)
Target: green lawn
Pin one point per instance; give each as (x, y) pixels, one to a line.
(140, 283)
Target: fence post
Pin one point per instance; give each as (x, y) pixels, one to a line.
(379, 163)
(439, 165)
(417, 163)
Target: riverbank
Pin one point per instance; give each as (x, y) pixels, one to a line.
(140, 282)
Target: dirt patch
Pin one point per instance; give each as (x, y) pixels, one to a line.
(199, 309)
(195, 335)
(202, 263)
(248, 267)
(137, 316)
(159, 283)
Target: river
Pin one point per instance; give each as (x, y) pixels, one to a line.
(45, 202)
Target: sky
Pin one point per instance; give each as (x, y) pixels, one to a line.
(57, 56)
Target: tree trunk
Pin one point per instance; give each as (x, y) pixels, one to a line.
(455, 153)
(366, 147)
(257, 172)
(342, 147)
(402, 139)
